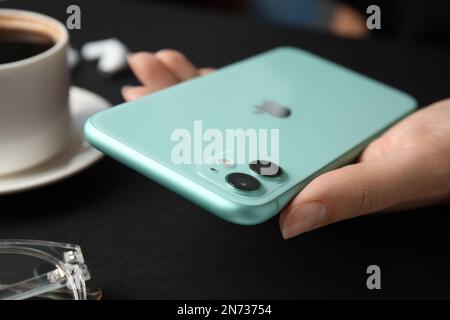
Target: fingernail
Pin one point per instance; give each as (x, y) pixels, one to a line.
(303, 218)
(130, 56)
(126, 88)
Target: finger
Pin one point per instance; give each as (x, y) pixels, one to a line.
(151, 72)
(354, 190)
(130, 93)
(205, 71)
(176, 62)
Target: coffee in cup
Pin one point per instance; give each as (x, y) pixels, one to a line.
(19, 45)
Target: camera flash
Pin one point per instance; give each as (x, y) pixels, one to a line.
(226, 163)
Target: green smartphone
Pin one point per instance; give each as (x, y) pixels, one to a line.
(242, 141)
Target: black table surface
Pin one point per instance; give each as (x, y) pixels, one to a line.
(141, 240)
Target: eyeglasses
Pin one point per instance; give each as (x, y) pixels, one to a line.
(32, 269)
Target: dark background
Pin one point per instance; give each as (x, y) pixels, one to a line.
(419, 21)
(141, 240)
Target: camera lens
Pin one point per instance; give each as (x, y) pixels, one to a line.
(243, 181)
(266, 168)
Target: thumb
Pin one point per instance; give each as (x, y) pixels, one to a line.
(351, 191)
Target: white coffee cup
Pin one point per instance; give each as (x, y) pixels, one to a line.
(34, 113)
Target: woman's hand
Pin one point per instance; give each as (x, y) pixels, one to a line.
(158, 71)
(408, 166)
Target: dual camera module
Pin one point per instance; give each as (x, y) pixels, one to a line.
(246, 182)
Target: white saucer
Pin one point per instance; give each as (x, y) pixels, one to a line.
(77, 156)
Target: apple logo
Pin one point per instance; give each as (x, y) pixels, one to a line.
(274, 109)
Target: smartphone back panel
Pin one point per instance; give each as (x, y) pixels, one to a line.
(333, 114)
